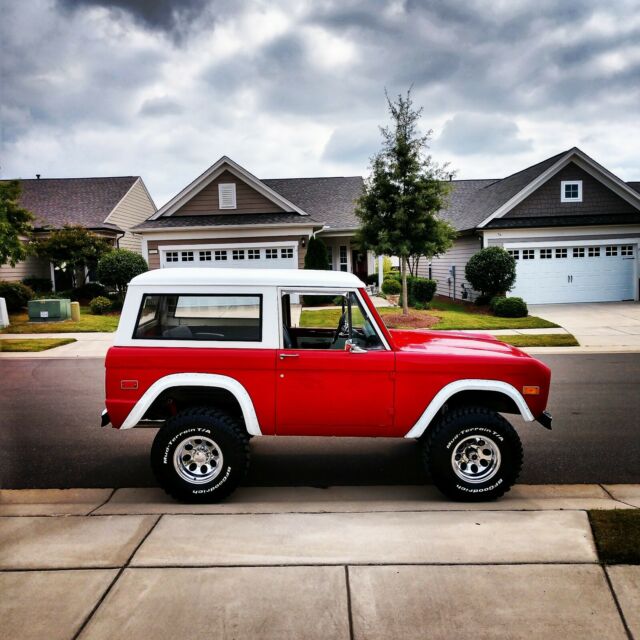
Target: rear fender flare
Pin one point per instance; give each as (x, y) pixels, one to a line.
(212, 380)
(467, 385)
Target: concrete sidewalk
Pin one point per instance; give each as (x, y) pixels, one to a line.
(87, 345)
(342, 562)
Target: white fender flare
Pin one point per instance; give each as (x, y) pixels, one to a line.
(467, 385)
(212, 380)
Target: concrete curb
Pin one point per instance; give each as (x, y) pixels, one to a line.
(339, 499)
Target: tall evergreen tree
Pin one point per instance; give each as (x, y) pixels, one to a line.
(399, 207)
(316, 256)
(15, 224)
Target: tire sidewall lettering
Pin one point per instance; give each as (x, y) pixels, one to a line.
(471, 430)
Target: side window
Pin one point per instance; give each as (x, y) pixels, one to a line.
(218, 318)
(326, 321)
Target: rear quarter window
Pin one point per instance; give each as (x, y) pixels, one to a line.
(210, 317)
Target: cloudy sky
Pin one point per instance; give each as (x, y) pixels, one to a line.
(162, 88)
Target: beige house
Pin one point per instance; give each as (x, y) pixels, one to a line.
(229, 218)
(110, 207)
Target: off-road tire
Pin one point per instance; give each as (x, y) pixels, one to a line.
(212, 426)
(461, 425)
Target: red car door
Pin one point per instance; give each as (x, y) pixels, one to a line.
(334, 392)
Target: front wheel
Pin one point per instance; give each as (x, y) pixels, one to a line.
(473, 454)
(200, 455)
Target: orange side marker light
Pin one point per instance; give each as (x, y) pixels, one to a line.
(528, 390)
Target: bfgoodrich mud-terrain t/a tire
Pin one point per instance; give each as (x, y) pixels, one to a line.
(200, 455)
(473, 454)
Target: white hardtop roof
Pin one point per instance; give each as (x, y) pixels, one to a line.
(247, 277)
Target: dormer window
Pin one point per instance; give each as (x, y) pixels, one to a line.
(571, 191)
(227, 195)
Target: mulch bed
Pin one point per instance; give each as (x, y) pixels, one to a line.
(415, 320)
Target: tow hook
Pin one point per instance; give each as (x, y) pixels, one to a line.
(545, 419)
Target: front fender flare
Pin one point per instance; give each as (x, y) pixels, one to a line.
(196, 380)
(467, 385)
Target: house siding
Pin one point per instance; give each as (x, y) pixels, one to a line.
(458, 255)
(597, 199)
(248, 200)
(32, 266)
(154, 258)
(133, 209)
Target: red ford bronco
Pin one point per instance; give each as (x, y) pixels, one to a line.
(216, 356)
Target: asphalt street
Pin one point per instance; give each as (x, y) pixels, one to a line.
(49, 433)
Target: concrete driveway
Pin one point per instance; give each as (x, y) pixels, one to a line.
(614, 325)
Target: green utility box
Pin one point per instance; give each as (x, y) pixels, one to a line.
(49, 310)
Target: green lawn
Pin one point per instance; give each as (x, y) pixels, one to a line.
(442, 315)
(617, 535)
(541, 340)
(88, 323)
(33, 344)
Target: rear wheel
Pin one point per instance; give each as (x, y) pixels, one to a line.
(200, 455)
(473, 454)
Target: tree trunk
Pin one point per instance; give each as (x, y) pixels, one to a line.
(405, 296)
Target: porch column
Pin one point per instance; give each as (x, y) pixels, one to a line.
(380, 274)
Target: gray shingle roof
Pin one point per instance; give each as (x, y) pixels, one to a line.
(228, 219)
(565, 221)
(76, 201)
(330, 200)
(635, 186)
(478, 201)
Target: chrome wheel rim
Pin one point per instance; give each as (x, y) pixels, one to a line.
(198, 460)
(476, 459)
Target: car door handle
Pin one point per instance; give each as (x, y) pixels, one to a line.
(289, 355)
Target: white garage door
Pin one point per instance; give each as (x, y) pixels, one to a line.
(575, 273)
(249, 256)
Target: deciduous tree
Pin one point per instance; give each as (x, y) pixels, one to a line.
(15, 224)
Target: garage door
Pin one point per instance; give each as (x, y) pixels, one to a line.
(575, 273)
(250, 256)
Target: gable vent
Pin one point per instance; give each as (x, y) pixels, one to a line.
(227, 195)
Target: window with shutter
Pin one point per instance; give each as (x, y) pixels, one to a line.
(227, 195)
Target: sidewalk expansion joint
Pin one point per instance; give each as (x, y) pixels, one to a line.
(616, 499)
(614, 595)
(102, 505)
(115, 580)
(350, 612)
(294, 565)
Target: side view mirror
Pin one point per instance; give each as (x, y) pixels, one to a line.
(351, 347)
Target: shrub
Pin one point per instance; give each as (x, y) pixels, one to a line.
(39, 285)
(511, 308)
(15, 294)
(118, 267)
(391, 287)
(100, 305)
(491, 271)
(494, 301)
(372, 278)
(483, 299)
(117, 300)
(421, 290)
(316, 256)
(88, 291)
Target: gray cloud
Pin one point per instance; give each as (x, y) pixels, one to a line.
(170, 16)
(163, 106)
(296, 87)
(474, 133)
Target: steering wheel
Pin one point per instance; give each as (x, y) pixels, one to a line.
(342, 328)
